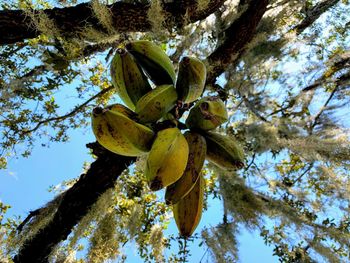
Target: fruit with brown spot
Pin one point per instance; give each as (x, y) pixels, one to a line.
(196, 157)
(118, 133)
(167, 158)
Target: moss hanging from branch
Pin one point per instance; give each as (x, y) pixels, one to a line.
(104, 15)
(36, 223)
(41, 22)
(156, 15)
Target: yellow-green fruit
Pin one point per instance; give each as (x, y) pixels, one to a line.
(188, 211)
(191, 79)
(123, 110)
(156, 103)
(207, 114)
(167, 159)
(154, 61)
(120, 134)
(128, 78)
(224, 151)
(196, 157)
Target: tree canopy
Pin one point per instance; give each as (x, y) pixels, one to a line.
(283, 70)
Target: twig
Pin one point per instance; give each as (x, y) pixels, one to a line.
(205, 252)
(20, 45)
(35, 71)
(251, 107)
(314, 13)
(73, 112)
(323, 108)
(302, 175)
(184, 251)
(250, 164)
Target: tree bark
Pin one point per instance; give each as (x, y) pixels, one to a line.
(72, 21)
(75, 204)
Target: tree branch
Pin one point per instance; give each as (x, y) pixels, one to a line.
(314, 13)
(323, 108)
(72, 21)
(237, 36)
(75, 203)
(310, 166)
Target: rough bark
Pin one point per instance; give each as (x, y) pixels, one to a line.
(75, 204)
(71, 21)
(237, 36)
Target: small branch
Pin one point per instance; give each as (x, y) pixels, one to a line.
(343, 79)
(184, 250)
(237, 36)
(34, 72)
(100, 47)
(343, 63)
(6, 55)
(69, 114)
(250, 163)
(251, 107)
(323, 108)
(302, 175)
(205, 252)
(339, 83)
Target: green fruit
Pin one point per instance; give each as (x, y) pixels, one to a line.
(128, 78)
(115, 131)
(224, 151)
(197, 152)
(191, 79)
(207, 114)
(167, 159)
(154, 61)
(156, 103)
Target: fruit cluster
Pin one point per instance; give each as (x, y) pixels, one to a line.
(174, 160)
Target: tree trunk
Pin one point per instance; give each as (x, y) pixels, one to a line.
(75, 204)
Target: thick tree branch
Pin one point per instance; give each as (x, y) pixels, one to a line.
(75, 204)
(341, 81)
(314, 13)
(72, 21)
(342, 62)
(237, 36)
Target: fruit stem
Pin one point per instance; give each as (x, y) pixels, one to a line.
(185, 251)
(97, 111)
(186, 60)
(121, 51)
